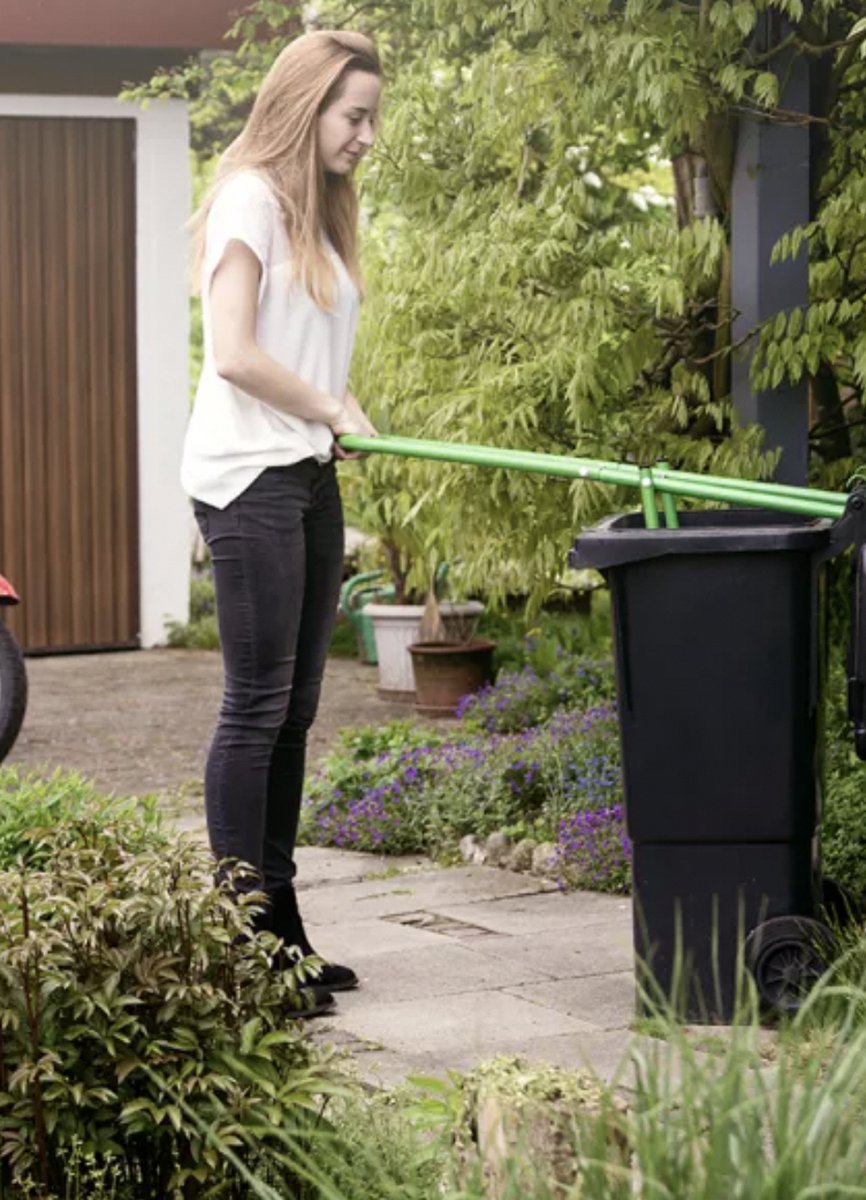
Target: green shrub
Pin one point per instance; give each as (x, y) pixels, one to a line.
(367, 758)
(200, 632)
(404, 789)
(197, 635)
(374, 1150)
(579, 634)
(843, 829)
(551, 680)
(723, 1118)
(136, 1010)
(343, 643)
(40, 814)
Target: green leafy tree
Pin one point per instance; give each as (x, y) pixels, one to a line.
(531, 283)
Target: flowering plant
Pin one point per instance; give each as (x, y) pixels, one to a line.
(527, 697)
(425, 793)
(593, 850)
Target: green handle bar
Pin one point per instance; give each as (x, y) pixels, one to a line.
(810, 502)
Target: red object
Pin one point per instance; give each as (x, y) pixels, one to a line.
(188, 25)
(8, 595)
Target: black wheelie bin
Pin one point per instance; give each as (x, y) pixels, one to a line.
(720, 642)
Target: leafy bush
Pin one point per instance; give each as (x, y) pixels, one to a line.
(137, 1010)
(552, 679)
(343, 643)
(40, 814)
(843, 828)
(516, 633)
(702, 1116)
(357, 798)
(375, 1150)
(424, 794)
(366, 763)
(201, 632)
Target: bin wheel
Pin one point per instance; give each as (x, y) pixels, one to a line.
(787, 956)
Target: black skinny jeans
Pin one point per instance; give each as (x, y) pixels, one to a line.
(277, 554)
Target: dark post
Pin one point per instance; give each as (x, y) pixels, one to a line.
(770, 196)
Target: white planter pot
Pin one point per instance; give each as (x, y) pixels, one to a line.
(396, 627)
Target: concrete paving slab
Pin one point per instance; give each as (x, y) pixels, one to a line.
(319, 865)
(412, 893)
(371, 1062)
(603, 1053)
(354, 941)
(430, 971)
(480, 1023)
(595, 949)
(607, 1055)
(606, 1002)
(528, 914)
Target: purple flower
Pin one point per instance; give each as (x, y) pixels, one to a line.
(593, 848)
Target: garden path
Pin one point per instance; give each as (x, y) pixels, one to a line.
(140, 721)
(460, 964)
(456, 965)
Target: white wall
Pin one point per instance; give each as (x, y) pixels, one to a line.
(162, 197)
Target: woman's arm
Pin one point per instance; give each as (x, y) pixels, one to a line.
(234, 291)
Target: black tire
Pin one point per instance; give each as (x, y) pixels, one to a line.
(787, 956)
(13, 690)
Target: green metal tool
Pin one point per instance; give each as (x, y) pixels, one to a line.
(809, 502)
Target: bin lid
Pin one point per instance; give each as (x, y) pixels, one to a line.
(615, 541)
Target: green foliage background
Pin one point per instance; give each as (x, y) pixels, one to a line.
(529, 282)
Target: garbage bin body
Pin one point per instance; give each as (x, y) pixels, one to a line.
(719, 632)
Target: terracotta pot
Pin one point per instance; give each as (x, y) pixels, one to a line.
(446, 671)
(396, 627)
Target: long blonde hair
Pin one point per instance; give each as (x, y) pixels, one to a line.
(280, 141)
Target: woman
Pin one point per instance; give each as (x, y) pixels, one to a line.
(276, 250)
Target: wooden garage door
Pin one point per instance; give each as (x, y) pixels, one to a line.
(68, 507)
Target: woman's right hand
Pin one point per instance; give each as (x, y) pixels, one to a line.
(353, 419)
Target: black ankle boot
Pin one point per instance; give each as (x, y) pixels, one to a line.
(313, 999)
(286, 923)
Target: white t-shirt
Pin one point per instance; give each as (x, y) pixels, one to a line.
(232, 437)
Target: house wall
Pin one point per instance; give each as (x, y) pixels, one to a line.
(162, 326)
(190, 24)
(79, 71)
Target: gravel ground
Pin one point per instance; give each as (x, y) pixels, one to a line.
(138, 722)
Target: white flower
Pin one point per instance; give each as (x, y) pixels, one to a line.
(578, 156)
(592, 180)
(639, 200)
(652, 196)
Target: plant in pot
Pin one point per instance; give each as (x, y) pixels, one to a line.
(397, 625)
(393, 516)
(448, 660)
